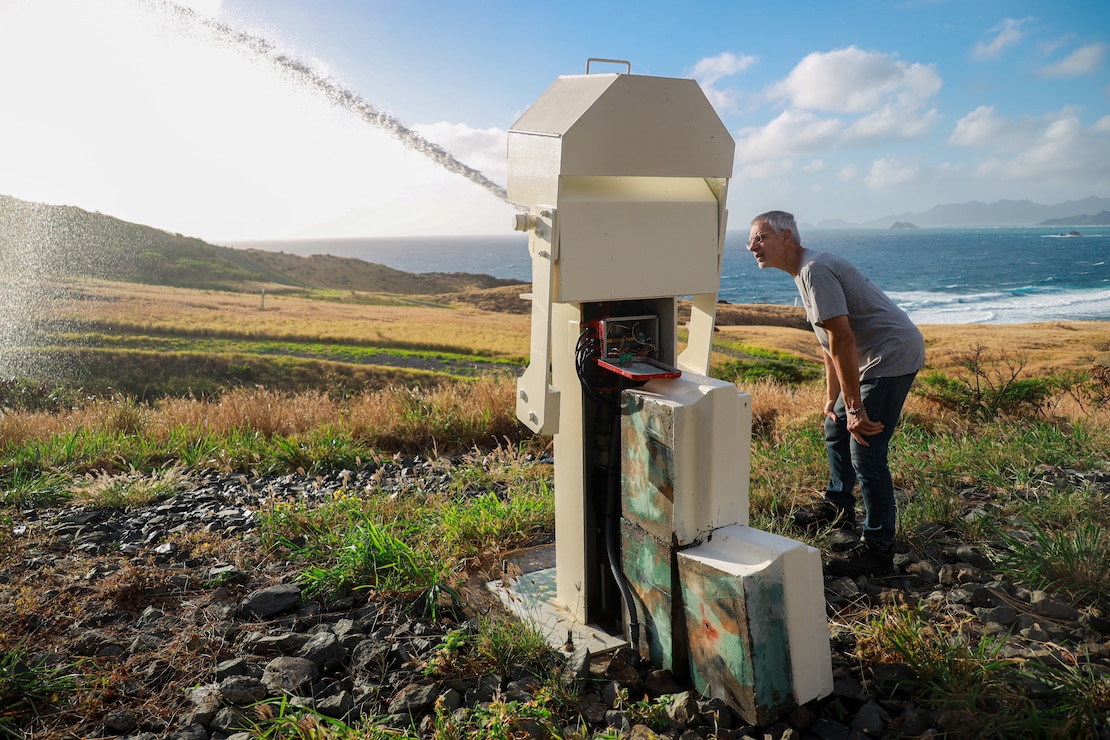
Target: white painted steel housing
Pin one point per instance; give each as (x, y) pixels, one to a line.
(636, 168)
(624, 178)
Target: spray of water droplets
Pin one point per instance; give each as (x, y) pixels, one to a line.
(332, 91)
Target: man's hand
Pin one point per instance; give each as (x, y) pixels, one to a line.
(842, 379)
(860, 426)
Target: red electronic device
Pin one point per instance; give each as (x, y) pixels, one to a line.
(629, 346)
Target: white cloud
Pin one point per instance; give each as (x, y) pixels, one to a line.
(873, 99)
(979, 127)
(1006, 34)
(710, 70)
(1082, 61)
(855, 81)
(814, 167)
(791, 132)
(764, 171)
(891, 122)
(849, 172)
(1050, 47)
(1052, 148)
(886, 173)
(482, 149)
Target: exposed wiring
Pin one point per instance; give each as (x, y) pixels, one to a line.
(586, 352)
(627, 343)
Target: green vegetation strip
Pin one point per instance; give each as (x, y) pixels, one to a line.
(750, 364)
(333, 352)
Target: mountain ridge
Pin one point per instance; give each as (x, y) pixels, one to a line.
(1102, 218)
(974, 213)
(38, 239)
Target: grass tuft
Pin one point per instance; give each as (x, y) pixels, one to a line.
(130, 490)
(26, 686)
(1075, 559)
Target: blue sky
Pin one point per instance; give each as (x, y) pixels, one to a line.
(853, 110)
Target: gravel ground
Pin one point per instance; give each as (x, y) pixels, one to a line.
(192, 630)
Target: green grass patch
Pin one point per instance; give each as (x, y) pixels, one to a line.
(956, 670)
(153, 374)
(318, 350)
(752, 364)
(379, 541)
(1074, 559)
(360, 298)
(494, 644)
(33, 685)
(31, 489)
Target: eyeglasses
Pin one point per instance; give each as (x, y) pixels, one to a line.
(758, 238)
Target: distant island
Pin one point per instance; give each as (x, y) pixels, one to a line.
(1102, 218)
(904, 225)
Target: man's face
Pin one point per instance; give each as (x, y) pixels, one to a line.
(768, 247)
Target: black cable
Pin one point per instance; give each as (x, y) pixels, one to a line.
(612, 533)
(586, 350)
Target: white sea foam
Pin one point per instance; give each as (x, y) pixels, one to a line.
(996, 307)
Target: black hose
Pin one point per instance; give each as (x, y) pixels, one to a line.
(612, 533)
(587, 349)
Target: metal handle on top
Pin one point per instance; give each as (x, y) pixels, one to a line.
(627, 64)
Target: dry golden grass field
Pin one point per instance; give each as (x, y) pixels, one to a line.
(350, 317)
(495, 323)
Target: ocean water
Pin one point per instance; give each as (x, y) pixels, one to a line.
(939, 276)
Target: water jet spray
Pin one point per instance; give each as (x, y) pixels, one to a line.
(331, 91)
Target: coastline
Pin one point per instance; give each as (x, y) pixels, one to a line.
(939, 276)
(1043, 347)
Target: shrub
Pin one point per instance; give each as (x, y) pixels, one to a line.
(36, 394)
(986, 385)
(24, 685)
(1089, 389)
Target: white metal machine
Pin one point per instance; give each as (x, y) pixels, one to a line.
(624, 178)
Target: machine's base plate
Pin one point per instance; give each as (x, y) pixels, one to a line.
(528, 591)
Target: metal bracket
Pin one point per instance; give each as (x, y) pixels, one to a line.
(537, 401)
(627, 64)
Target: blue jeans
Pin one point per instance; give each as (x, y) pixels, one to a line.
(850, 461)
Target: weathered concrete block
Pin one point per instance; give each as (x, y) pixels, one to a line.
(754, 609)
(685, 459)
(651, 570)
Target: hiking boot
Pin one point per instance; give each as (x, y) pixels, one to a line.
(841, 540)
(865, 559)
(824, 514)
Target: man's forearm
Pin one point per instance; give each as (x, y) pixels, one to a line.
(832, 378)
(845, 364)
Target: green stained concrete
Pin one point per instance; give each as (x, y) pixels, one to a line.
(737, 637)
(647, 566)
(647, 465)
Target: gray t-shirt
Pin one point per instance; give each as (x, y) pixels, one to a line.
(887, 341)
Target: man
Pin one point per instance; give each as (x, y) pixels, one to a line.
(872, 353)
